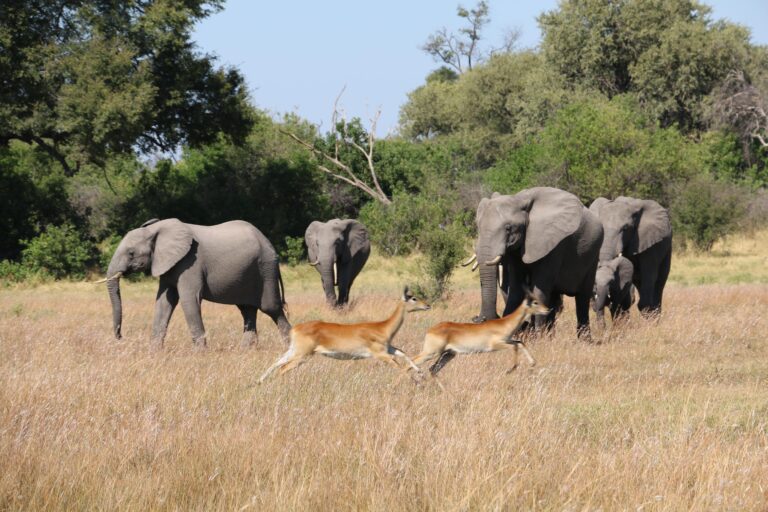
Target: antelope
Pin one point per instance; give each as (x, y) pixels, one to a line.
(447, 339)
(348, 341)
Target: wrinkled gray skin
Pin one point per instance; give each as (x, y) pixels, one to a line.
(639, 230)
(338, 249)
(547, 240)
(613, 288)
(230, 263)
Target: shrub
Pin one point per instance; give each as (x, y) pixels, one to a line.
(59, 251)
(443, 248)
(294, 250)
(705, 210)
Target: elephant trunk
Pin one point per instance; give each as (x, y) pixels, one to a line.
(113, 288)
(612, 246)
(488, 284)
(326, 274)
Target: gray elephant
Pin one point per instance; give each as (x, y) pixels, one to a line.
(613, 288)
(230, 263)
(545, 239)
(338, 249)
(639, 230)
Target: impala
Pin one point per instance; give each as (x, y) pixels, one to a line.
(348, 341)
(447, 339)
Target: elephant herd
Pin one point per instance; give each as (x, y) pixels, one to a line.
(541, 239)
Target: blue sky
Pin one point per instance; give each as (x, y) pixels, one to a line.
(297, 55)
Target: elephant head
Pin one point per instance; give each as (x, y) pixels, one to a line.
(532, 222)
(156, 247)
(611, 281)
(331, 246)
(631, 226)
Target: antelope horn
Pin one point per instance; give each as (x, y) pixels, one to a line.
(494, 261)
(470, 260)
(116, 276)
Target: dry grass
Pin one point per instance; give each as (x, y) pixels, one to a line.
(665, 416)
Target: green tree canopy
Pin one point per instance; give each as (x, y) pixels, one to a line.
(87, 79)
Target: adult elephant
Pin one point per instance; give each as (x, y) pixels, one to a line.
(543, 238)
(230, 263)
(338, 249)
(638, 229)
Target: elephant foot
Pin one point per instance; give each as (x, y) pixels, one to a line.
(478, 319)
(249, 339)
(156, 343)
(200, 342)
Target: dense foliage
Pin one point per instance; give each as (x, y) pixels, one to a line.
(109, 116)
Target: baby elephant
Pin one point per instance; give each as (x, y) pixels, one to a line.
(613, 288)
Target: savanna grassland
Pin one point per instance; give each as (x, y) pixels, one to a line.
(667, 416)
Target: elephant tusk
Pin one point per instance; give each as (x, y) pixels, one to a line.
(474, 267)
(470, 260)
(335, 275)
(315, 263)
(117, 275)
(494, 261)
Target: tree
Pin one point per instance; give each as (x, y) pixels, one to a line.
(669, 52)
(740, 105)
(86, 79)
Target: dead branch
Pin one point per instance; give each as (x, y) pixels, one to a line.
(343, 171)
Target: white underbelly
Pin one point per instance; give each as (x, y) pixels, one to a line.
(462, 349)
(361, 353)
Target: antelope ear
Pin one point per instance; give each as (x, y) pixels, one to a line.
(406, 292)
(554, 214)
(310, 238)
(173, 239)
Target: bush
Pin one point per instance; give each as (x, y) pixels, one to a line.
(294, 250)
(106, 249)
(443, 248)
(705, 210)
(59, 251)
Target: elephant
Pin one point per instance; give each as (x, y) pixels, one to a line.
(229, 263)
(338, 249)
(613, 288)
(640, 230)
(543, 238)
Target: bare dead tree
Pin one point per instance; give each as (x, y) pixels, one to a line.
(740, 105)
(454, 49)
(337, 168)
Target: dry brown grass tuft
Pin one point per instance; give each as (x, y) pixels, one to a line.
(665, 416)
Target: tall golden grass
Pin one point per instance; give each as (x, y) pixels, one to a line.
(659, 416)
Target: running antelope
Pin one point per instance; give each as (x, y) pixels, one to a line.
(447, 339)
(348, 341)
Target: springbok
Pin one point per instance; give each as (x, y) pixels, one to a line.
(447, 339)
(349, 341)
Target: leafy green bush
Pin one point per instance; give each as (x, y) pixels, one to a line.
(107, 248)
(705, 210)
(12, 271)
(294, 250)
(59, 251)
(443, 248)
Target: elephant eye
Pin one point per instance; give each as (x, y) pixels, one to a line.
(508, 227)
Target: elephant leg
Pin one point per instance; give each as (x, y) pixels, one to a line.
(647, 303)
(283, 326)
(661, 280)
(344, 282)
(249, 325)
(191, 305)
(165, 303)
(582, 315)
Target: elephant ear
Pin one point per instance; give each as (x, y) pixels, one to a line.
(624, 271)
(653, 226)
(357, 237)
(310, 238)
(554, 214)
(597, 204)
(173, 239)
